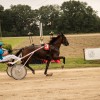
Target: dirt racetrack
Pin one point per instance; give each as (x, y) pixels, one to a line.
(65, 84)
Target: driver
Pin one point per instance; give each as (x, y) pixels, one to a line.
(5, 56)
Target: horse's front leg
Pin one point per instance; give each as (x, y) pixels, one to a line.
(60, 57)
(62, 66)
(47, 65)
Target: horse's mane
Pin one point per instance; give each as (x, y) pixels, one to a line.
(53, 39)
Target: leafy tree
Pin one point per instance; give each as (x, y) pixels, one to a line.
(78, 16)
(22, 15)
(8, 20)
(49, 16)
(71, 17)
(1, 17)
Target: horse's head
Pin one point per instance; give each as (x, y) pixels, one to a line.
(64, 40)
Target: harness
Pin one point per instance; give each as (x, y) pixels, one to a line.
(46, 47)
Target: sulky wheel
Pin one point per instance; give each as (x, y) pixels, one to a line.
(8, 70)
(18, 72)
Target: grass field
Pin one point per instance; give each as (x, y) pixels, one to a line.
(14, 41)
(73, 53)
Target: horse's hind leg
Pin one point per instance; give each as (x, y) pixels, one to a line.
(33, 71)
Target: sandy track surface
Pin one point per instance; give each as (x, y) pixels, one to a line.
(66, 84)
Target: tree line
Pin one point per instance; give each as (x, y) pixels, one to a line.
(71, 17)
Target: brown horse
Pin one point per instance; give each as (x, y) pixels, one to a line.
(51, 54)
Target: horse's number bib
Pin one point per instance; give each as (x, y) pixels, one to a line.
(46, 47)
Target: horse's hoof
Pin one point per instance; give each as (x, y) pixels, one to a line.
(62, 66)
(49, 74)
(33, 72)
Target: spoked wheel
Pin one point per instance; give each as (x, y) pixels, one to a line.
(18, 72)
(8, 70)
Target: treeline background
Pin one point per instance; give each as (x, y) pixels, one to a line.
(72, 17)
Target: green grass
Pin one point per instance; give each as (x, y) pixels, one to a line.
(3, 67)
(13, 41)
(70, 63)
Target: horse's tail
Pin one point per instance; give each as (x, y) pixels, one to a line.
(19, 52)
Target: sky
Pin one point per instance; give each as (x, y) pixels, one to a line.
(35, 4)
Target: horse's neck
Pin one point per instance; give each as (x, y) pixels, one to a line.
(57, 43)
